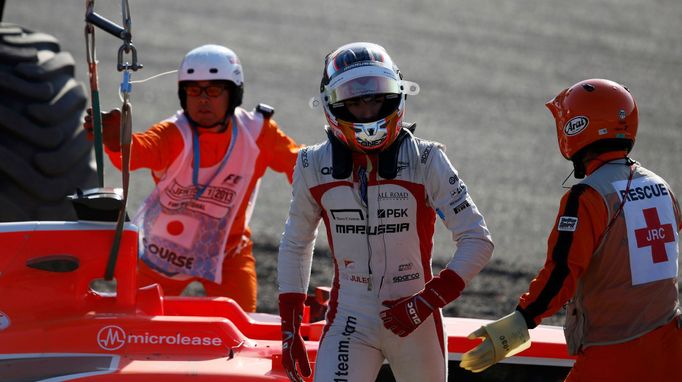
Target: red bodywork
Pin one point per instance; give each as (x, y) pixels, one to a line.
(54, 326)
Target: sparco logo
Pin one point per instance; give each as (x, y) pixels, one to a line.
(576, 125)
(403, 278)
(111, 337)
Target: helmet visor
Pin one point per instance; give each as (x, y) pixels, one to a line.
(362, 86)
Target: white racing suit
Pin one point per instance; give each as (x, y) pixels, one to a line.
(381, 249)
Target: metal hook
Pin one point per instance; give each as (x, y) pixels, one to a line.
(128, 49)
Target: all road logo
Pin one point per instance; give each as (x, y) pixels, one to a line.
(113, 337)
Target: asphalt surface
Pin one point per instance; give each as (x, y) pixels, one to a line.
(486, 68)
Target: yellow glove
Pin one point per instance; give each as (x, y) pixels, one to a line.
(502, 338)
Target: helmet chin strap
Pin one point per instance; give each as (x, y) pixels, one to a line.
(579, 169)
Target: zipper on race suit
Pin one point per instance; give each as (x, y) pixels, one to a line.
(362, 190)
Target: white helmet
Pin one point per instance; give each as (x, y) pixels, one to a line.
(212, 63)
(361, 69)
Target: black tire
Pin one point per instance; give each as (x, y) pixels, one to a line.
(44, 154)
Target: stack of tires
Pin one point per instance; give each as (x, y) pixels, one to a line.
(44, 154)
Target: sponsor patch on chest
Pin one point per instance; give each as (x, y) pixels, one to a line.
(567, 223)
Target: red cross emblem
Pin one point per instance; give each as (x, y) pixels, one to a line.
(655, 235)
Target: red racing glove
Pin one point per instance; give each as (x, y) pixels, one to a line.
(293, 348)
(404, 315)
(111, 128)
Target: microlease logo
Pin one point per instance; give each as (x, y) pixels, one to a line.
(111, 337)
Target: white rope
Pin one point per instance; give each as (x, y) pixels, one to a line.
(155, 76)
(120, 95)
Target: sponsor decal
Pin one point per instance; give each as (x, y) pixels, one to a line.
(413, 313)
(403, 278)
(453, 179)
(603, 131)
(372, 230)
(373, 142)
(348, 263)
(457, 191)
(644, 192)
(567, 223)
(326, 170)
(304, 157)
(4, 321)
(232, 179)
(460, 207)
(621, 114)
(405, 267)
(401, 166)
(343, 350)
(394, 195)
(392, 213)
(347, 214)
(576, 125)
(113, 337)
(426, 153)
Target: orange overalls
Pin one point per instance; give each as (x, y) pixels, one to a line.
(622, 321)
(158, 148)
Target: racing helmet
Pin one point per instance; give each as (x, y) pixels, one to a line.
(594, 110)
(212, 63)
(363, 69)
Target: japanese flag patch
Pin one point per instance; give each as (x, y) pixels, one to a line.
(567, 223)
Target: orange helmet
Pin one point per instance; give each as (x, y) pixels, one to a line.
(593, 110)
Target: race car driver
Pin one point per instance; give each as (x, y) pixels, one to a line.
(378, 189)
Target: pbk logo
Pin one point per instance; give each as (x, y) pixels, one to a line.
(576, 125)
(111, 337)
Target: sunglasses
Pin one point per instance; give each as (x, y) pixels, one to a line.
(210, 90)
